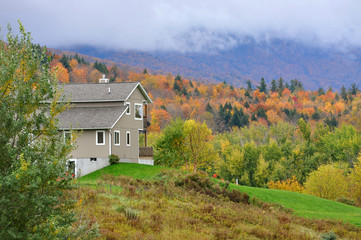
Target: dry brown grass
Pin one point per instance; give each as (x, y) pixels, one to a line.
(192, 207)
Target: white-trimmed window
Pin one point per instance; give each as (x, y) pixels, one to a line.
(128, 110)
(117, 138)
(100, 137)
(67, 136)
(138, 111)
(127, 138)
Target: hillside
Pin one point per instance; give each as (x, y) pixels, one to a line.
(315, 67)
(173, 206)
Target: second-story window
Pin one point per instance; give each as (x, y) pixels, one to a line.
(128, 110)
(138, 111)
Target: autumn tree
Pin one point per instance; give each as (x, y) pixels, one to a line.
(327, 182)
(355, 181)
(185, 144)
(33, 154)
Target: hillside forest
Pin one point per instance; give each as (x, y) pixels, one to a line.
(274, 135)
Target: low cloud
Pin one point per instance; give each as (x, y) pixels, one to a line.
(185, 25)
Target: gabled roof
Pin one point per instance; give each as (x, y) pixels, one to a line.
(102, 92)
(90, 117)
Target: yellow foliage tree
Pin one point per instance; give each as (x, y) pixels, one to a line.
(290, 184)
(198, 145)
(327, 182)
(355, 181)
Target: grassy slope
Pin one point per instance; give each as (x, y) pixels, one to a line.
(306, 205)
(302, 204)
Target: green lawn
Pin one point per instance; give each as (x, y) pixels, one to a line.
(302, 204)
(138, 171)
(306, 205)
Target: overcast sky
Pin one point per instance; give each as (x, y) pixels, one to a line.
(185, 25)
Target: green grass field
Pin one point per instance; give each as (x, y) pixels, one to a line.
(302, 204)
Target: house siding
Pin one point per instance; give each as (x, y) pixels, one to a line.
(87, 148)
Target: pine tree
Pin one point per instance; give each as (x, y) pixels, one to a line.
(262, 86)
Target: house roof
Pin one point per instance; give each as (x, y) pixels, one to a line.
(90, 117)
(102, 92)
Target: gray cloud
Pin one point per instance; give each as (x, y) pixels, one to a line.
(184, 25)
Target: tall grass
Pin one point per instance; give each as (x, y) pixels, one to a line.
(178, 206)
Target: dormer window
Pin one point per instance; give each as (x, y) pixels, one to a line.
(138, 111)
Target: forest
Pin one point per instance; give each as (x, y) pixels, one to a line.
(274, 135)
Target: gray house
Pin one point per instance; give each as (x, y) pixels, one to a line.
(109, 117)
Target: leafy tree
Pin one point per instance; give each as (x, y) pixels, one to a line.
(305, 129)
(169, 149)
(33, 154)
(327, 182)
(342, 145)
(198, 146)
(114, 73)
(355, 181)
(185, 144)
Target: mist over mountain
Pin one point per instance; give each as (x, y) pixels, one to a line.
(314, 66)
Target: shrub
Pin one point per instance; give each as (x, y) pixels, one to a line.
(329, 236)
(346, 200)
(113, 159)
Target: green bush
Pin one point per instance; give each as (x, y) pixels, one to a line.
(329, 236)
(113, 159)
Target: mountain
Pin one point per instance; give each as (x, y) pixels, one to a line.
(314, 66)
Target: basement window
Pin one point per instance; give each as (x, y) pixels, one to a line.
(93, 159)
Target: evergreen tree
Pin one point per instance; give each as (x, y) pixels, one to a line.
(353, 90)
(209, 108)
(274, 86)
(65, 61)
(280, 85)
(321, 91)
(262, 86)
(344, 93)
(101, 67)
(249, 86)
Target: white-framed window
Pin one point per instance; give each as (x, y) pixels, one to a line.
(127, 138)
(117, 138)
(138, 111)
(100, 137)
(129, 107)
(67, 136)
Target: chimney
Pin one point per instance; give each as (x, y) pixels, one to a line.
(104, 80)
